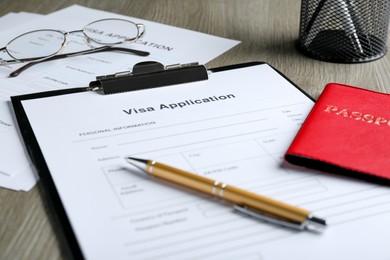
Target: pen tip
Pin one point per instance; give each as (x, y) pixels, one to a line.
(139, 163)
(133, 159)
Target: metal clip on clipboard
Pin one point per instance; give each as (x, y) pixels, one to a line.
(149, 74)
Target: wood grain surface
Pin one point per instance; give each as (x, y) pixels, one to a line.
(267, 29)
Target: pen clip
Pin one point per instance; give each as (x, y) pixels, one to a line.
(258, 215)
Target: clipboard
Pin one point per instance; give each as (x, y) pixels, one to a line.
(145, 75)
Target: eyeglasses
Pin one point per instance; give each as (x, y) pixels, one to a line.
(44, 45)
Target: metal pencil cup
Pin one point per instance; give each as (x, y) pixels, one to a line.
(344, 31)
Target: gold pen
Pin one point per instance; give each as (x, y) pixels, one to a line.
(246, 202)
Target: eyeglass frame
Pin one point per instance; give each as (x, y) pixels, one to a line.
(58, 55)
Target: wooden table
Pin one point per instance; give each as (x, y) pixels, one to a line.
(267, 29)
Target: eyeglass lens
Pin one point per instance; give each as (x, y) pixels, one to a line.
(111, 31)
(36, 44)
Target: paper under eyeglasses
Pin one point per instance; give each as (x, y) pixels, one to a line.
(43, 45)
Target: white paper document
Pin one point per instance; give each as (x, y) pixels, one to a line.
(234, 127)
(14, 19)
(15, 175)
(166, 44)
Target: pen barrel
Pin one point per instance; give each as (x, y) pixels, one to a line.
(180, 177)
(265, 205)
(228, 193)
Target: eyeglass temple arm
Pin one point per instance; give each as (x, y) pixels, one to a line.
(141, 29)
(61, 56)
(1, 60)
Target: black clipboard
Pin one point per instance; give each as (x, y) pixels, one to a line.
(145, 75)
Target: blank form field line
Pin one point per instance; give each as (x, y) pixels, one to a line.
(267, 230)
(204, 141)
(191, 132)
(360, 217)
(357, 202)
(339, 196)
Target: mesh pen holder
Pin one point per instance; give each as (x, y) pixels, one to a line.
(344, 31)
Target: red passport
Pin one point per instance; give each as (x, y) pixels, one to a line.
(347, 132)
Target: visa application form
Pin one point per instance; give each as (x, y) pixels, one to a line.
(166, 44)
(234, 127)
